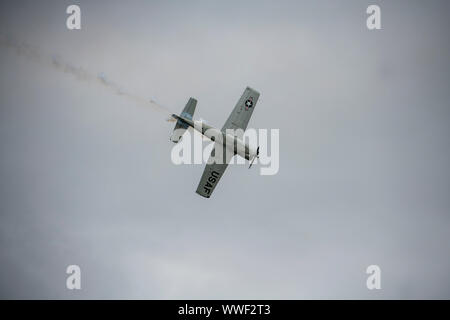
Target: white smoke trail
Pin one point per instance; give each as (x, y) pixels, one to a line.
(56, 62)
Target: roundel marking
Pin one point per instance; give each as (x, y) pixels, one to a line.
(248, 103)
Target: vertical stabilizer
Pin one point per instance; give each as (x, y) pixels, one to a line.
(180, 127)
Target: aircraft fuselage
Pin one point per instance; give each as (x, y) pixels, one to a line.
(231, 142)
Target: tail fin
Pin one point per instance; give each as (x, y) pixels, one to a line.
(181, 127)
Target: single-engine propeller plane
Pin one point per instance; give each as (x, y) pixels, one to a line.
(235, 145)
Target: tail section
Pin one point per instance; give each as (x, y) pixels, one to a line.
(180, 127)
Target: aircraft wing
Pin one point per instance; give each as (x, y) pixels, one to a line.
(243, 110)
(212, 173)
(238, 119)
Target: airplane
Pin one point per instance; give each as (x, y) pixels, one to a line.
(238, 119)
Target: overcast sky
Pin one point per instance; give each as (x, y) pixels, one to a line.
(364, 120)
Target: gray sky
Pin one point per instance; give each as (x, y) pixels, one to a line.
(364, 119)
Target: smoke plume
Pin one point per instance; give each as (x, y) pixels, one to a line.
(56, 62)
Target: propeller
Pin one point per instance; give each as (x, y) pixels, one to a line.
(257, 156)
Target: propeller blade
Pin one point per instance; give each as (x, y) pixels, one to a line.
(257, 156)
(252, 162)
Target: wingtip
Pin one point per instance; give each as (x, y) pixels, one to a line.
(251, 89)
(203, 195)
